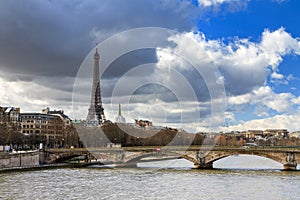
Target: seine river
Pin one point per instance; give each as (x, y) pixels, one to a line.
(163, 180)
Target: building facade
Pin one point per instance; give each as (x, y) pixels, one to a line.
(10, 121)
(42, 128)
(252, 135)
(59, 113)
(280, 133)
(143, 123)
(10, 115)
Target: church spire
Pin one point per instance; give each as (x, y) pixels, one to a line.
(120, 110)
(120, 118)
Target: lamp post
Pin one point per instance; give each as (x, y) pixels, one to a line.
(20, 158)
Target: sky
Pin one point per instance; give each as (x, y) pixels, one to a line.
(200, 65)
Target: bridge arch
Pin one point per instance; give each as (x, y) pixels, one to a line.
(211, 158)
(159, 156)
(247, 161)
(138, 157)
(202, 158)
(58, 157)
(189, 158)
(63, 158)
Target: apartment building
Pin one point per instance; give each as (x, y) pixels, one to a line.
(45, 128)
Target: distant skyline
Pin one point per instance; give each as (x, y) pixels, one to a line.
(254, 44)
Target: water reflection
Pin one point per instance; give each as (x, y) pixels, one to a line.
(172, 179)
(168, 164)
(146, 183)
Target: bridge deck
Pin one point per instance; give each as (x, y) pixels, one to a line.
(178, 148)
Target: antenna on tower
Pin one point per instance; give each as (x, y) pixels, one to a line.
(96, 47)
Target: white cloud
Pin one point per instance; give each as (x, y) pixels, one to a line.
(244, 66)
(208, 3)
(168, 60)
(290, 122)
(276, 75)
(265, 99)
(239, 99)
(281, 102)
(32, 96)
(296, 100)
(276, 44)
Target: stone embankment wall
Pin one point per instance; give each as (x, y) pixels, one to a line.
(19, 159)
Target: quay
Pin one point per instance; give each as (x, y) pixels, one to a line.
(33, 160)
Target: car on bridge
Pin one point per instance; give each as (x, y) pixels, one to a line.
(249, 145)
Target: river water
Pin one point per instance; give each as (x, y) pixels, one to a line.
(163, 180)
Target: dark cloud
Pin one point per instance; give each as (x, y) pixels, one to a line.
(37, 38)
(252, 78)
(130, 60)
(43, 43)
(149, 92)
(190, 86)
(51, 38)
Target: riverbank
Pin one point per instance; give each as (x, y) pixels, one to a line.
(46, 166)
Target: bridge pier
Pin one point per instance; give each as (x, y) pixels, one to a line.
(42, 156)
(289, 167)
(291, 163)
(203, 166)
(201, 162)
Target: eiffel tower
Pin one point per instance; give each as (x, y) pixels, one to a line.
(96, 111)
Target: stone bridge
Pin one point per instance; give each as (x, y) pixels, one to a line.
(202, 157)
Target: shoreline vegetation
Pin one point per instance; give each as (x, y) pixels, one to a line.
(127, 136)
